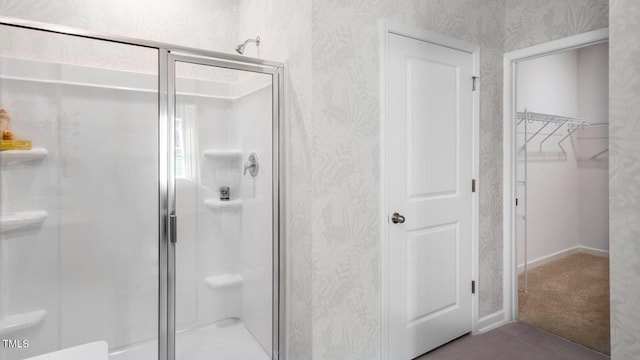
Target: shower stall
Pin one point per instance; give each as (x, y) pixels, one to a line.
(140, 199)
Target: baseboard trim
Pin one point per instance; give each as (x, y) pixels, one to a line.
(593, 251)
(491, 321)
(562, 253)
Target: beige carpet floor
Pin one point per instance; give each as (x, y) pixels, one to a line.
(569, 297)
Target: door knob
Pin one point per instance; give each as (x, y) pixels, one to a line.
(397, 218)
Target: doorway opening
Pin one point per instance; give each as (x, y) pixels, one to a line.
(558, 178)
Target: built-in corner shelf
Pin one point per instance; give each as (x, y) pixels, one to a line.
(10, 157)
(224, 281)
(22, 220)
(230, 205)
(14, 323)
(223, 154)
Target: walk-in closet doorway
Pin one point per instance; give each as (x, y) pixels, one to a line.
(557, 224)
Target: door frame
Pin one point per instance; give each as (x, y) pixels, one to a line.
(392, 27)
(510, 250)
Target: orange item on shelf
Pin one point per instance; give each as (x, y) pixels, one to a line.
(15, 145)
(4, 125)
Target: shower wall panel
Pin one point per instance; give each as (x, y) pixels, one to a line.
(218, 228)
(208, 238)
(108, 230)
(256, 261)
(79, 230)
(225, 250)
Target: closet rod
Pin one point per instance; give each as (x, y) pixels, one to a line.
(600, 153)
(569, 134)
(531, 116)
(539, 130)
(548, 136)
(564, 138)
(534, 116)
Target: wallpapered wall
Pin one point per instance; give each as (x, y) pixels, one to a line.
(345, 232)
(624, 178)
(204, 24)
(332, 110)
(531, 22)
(210, 25)
(345, 160)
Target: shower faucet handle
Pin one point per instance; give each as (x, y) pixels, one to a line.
(252, 165)
(248, 166)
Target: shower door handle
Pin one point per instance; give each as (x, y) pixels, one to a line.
(173, 225)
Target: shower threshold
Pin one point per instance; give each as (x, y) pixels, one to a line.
(226, 339)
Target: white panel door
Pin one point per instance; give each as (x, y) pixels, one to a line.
(430, 170)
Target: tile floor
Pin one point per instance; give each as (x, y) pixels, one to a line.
(517, 341)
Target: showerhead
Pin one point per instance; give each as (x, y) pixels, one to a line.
(240, 48)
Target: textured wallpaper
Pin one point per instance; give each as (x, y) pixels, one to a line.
(204, 24)
(332, 125)
(624, 178)
(210, 25)
(345, 232)
(345, 160)
(531, 22)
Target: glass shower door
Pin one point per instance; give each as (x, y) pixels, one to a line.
(225, 259)
(79, 222)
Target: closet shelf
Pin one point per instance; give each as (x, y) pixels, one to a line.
(217, 204)
(21, 220)
(223, 154)
(224, 281)
(572, 123)
(558, 119)
(10, 157)
(14, 323)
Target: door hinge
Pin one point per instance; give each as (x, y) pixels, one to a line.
(473, 185)
(473, 86)
(473, 286)
(516, 201)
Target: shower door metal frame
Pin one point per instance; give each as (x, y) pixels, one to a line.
(166, 182)
(277, 88)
